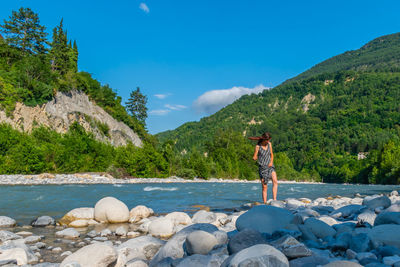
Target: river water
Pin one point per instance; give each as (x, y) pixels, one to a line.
(24, 203)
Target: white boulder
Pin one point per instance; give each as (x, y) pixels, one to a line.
(111, 210)
(77, 214)
(161, 227)
(139, 212)
(179, 218)
(94, 255)
(7, 221)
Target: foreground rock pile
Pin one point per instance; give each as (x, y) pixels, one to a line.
(340, 231)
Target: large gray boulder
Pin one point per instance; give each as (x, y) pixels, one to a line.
(347, 211)
(244, 239)
(309, 261)
(43, 221)
(111, 210)
(143, 247)
(17, 254)
(202, 261)
(360, 243)
(7, 235)
(7, 221)
(388, 218)
(319, 228)
(264, 219)
(14, 248)
(95, 255)
(291, 248)
(373, 202)
(386, 234)
(203, 216)
(342, 264)
(258, 255)
(174, 247)
(200, 242)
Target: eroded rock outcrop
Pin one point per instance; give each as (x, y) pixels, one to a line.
(65, 109)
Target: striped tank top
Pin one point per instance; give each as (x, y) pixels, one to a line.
(264, 156)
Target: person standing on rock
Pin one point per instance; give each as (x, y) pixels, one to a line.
(266, 169)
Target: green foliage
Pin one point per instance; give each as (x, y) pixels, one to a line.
(186, 173)
(357, 112)
(381, 54)
(136, 105)
(23, 30)
(63, 56)
(45, 150)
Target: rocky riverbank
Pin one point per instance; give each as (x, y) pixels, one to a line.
(104, 178)
(332, 231)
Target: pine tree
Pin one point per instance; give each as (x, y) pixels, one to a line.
(23, 30)
(60, 52)
(136, 105)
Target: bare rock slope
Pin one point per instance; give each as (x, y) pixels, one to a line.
(67, 108)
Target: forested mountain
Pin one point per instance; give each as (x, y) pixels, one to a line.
(324, 119)
(381, 54)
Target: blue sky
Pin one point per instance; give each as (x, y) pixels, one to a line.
(192, 57)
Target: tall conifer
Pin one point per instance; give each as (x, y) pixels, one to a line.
(23, 30)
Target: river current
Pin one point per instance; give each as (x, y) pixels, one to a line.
(24, 203)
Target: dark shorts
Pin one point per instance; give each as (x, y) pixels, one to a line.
(265, 173)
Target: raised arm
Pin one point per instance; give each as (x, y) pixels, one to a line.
(272, 155)
(255, 156)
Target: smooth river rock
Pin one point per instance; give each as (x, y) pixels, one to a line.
(373, 202)
(386, 234)
(161, 227)
(203, 216)
(244, 239)
(139, 212)
(264, 219)
(319, 228)
(174, 247)
(69, 233)
(77, 214)
(258, 255)
(94, 255)
(111, 210)
(388, 218)
(7, 221)
(43, 221)
(179, 218)
(143, 247)
(200, 242)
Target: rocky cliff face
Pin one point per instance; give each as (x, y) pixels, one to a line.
(67, 108)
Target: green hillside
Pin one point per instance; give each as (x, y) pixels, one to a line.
(381, 54)
(322, 122)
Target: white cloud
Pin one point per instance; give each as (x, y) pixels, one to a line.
(144, 7)
(214, 100)
(161, 96)
(159, 112)
(175, 107)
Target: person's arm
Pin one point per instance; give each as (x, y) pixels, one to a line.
(255, 156)
(272, 155)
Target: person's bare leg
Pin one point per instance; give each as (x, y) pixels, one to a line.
(264, 192)
(274, 185)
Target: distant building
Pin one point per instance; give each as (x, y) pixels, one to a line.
(362, 155)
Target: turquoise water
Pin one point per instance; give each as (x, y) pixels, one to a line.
(24, 203)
